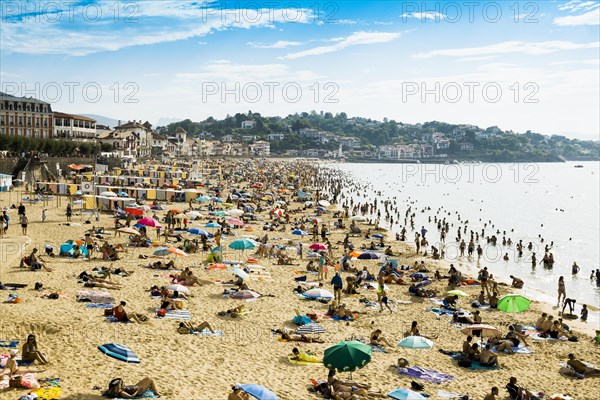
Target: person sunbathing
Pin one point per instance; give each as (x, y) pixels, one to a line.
(516, 337)
(414, 331)
(167, 304)
(286, 334)
(233, 312)
(377, 340)
(504, 345)
(581, 368)
(299, 355)
(187, 278)
(556, 331)
(186, 328)
(461, 318)
(117, 389)
(13, 368)
(123, 316)
(161, 265)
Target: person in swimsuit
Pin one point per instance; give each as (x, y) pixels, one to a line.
(117, 389)
(561, 289)
(31, 353)
(378, 340)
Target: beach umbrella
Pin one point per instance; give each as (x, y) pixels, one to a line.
(321, 209)
(317, 293)
(149, 222)
(234, 222)
(324, 203)
(513, 303)
(308, 203)
(157, 207)
(239, 272)
(378, 236)
(317, 246)
(455, 292)
(355, 253)
(194, 214)
(299, 232)
(405, 394)
(486, 330)
(243, 244)
(120, 352)
(245, 295)
(197, 231)
(220, 213)
(416, 342)
(123, 194)
(134, 211)
(217, 200)
(227, 205)
(315, 220)
(161, 251)
(129, 231)
(347, 356)
(368, 256)
(358, 218)
(279, 211)
(310, 328)
(181, 216)
(236, 213)
(108, 194)
(212, 225)
(202, 199)
(175, 287)
(176, 251)
(259, 392)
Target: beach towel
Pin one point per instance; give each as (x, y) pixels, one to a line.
(50, 393)
(206, 332)
(296, 362)
(442, 312)
(428, 375)
(378, 349)
(148, 395)
(475, 365)
(448, 395)
(11, 344)
(517, 350)
(181, 315)
(91, 296)
(535, 334)
(99, 305)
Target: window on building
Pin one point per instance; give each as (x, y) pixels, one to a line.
(28, 121)
(1, 119)
(11, 120)
(20, 120)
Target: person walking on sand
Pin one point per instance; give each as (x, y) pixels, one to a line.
(24, 221)
(561, 290)
(299, 250)
(321, 271)
(69, 212)
(44, 215)
(384, 301)
(338, 285)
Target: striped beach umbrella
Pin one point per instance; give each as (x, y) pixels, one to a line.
(245, 295)
(311, 329)
(120, 352)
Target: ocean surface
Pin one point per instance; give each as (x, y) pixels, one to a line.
(555, 200)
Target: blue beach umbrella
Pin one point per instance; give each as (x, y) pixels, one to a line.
(299, 232)
(242, 244)
(212, 225)
(416, 342)
(259, 392)
(378, 236)
(162, 251)
(368, 256)
(202, 199)
(198, 231)
(120, 352)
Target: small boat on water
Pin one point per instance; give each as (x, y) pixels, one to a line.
(579, 166)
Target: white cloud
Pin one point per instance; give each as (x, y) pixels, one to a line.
(226, 71)
(588, 18)
(280, 44)
(578, 5)
(531, 48)
(150, 22)
(355, 39)
(431, 15)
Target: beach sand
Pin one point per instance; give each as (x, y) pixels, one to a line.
(199, 367)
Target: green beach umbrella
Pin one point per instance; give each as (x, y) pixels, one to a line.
(347, 356)
(513, 303)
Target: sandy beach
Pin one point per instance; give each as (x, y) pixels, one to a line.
(204, 367)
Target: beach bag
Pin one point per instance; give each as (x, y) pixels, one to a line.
(416, 386)
(108, 312)
(161, 312)
(16, 382)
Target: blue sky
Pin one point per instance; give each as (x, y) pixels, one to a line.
(519, 65)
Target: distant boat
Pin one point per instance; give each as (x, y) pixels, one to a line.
(579, 166)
